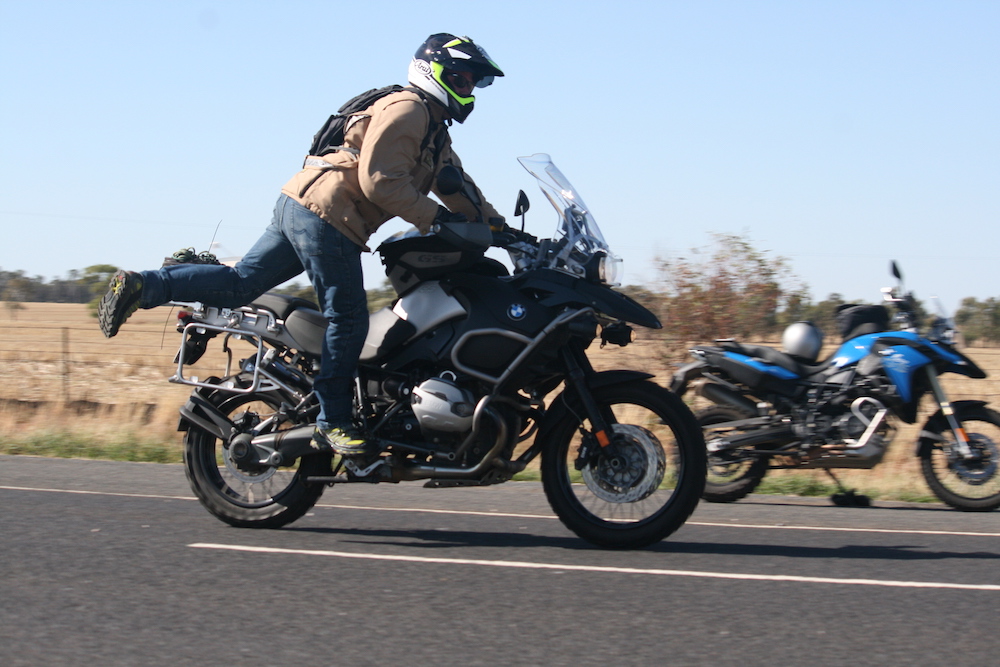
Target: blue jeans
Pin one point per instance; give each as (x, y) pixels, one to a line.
(296, 239)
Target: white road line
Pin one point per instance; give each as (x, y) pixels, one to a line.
(597, 568)
(98, 493)
(509, 515)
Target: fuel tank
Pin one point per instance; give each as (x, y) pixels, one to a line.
(419, 311)
(479, 322)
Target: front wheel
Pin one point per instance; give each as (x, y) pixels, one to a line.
(265, 497)
(643, 485)
(969, 484)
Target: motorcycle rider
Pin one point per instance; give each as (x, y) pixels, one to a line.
(326, 213)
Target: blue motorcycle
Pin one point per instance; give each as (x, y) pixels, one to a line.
(782, 409)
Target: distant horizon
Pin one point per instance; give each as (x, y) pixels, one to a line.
(837, 135)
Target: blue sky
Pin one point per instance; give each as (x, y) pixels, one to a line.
(839, 135)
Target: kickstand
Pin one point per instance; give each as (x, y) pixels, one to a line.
(847, 497)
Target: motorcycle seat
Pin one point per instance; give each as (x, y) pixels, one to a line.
(800, 367)
(301, 317)
(282, 305)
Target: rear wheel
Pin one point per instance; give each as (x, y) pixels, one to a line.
(969, 484)
(732, 474)
(265, 497)
(643, 485)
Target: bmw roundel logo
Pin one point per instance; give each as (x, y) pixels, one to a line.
(516, 311)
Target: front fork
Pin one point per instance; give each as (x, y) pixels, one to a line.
(599, 436)
(961, 438)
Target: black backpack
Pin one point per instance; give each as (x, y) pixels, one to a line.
(330, 137)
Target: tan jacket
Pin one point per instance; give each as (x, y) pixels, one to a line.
(390, 175)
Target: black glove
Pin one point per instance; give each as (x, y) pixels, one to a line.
(444, 215)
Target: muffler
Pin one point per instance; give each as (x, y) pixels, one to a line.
(722, 396)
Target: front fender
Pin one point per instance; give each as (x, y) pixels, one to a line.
(925, 443)
(568, 400)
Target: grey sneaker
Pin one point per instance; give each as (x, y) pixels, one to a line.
(120, 302)
(343, 442)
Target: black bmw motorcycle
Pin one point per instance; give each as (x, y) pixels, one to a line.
(465, 379)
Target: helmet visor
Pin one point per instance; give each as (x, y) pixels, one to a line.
(460, 82)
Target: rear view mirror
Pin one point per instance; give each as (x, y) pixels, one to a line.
(522, 204)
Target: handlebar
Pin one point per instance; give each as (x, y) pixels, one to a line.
(509, 236)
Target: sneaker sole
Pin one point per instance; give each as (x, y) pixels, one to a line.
(115, 307)
(363, 450)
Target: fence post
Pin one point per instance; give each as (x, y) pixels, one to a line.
(66, 369)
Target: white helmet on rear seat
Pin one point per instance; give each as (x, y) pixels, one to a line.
(803, 340)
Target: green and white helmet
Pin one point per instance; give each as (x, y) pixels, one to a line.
(448, 67)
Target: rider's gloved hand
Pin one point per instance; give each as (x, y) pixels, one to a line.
(444, 215)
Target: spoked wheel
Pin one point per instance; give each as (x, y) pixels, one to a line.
(969, 484)
(247, 497)
(642, 486)
(731, 473)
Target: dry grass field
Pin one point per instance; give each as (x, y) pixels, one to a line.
(66, 390)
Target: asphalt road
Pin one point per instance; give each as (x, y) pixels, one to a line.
(107, 563)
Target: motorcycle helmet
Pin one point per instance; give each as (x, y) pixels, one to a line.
(803, 340)
(448, 67)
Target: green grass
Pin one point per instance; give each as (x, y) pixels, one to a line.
(130, 447)
(915, 497)
(70, 445)
(795, 485)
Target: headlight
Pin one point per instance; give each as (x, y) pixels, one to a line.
(611, 270)
(604, 268)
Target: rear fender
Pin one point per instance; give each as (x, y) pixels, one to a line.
(200, 412)
(685, 374)
(938, 422)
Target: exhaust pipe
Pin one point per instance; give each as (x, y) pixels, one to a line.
(775, 435)
(722, 396)
(270, 449)
(283, 447)
(417, 471)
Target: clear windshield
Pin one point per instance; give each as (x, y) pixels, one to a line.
(578, 233)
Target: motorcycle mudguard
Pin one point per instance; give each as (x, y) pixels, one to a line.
(925, 443)
(684, 375)
(560, 404)
(199, 411)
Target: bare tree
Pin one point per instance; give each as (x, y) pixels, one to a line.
(728, 290)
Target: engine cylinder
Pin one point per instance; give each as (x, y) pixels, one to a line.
(441, 405)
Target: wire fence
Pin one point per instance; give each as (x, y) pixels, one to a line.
(53, 357)
(49, 358)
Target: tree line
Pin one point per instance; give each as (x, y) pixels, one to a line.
(729, 289)
(90, 284)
